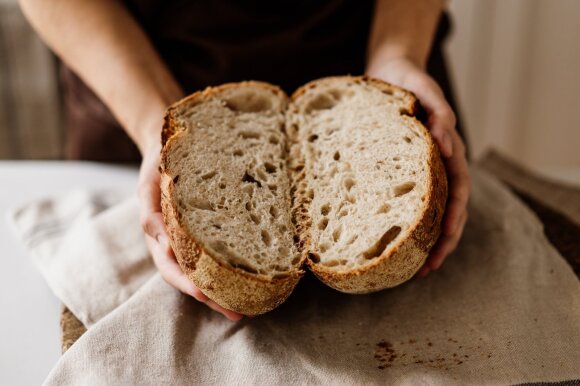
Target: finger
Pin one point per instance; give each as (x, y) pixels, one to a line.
(174, 276)
(445, 246)
(442, 119)
(424, 271)
(150, 193)
(459, 188)
(441, 125)
(154, 226)
(456, 207)
(231, 315)
(171, 271)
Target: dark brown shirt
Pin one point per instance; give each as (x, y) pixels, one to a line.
(209, 42)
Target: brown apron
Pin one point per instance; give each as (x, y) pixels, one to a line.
(206, 43)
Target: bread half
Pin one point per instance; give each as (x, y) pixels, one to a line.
(342, 178)
(370, 185)
(226, 195)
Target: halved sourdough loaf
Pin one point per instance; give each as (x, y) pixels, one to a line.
(342, 178)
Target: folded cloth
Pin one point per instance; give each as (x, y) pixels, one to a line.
(503, 309)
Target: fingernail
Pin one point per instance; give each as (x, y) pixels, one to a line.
(235, 318)
(162, 240)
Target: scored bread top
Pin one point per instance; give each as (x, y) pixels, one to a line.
(359, 196)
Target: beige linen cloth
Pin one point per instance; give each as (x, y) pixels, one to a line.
(503, 309)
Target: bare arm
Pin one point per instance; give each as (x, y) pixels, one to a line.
(107, 48)
(403, 28)
(400, 42)
(102, 43)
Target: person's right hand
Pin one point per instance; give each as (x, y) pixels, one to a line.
(156, 235)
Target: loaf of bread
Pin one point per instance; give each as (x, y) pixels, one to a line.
(341, 178)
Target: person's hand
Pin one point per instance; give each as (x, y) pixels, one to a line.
(441, 123)
(156, 235)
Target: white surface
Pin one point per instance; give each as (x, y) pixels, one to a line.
(514, 67)
(29, 323)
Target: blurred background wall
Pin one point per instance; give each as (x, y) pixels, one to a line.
(516, 66)
(30, 116)
(514, 62)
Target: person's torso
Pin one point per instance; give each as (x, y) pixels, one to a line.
(284, 42)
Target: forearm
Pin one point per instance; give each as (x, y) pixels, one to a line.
(105, 46)
(403, 29)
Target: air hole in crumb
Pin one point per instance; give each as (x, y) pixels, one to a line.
(348, 184)
(273, 188)
(342, 213)
(299, 168)
(312, 138)
(336, 156)
(255, 218)
(221, 185)
(323, 224)
(338, 94)
(331, 263)
(380, 246)
(350, 198)
(323, 247)
(320, 102)
(248, 102)
(398, 167)
(295, 260)
(282, 228)
(273, 140)
(175, 179)
(261, 174)
(217, 226)
(352, 239)
(269, 167)
(405, 111)
(336, 234)
(403, 189)
(249, 189)
(396, 158)
(208, 175)
(314, 257)
(325, 209)
(248, 178)
(201, 203)
(274, 212)
(384, 208)
(266, 239)
(248, 206)
(388, 92)
(407, 139)
(249, 135)
(238, 153)
(245, 267)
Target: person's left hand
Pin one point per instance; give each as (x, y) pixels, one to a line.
(441, 123)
